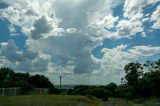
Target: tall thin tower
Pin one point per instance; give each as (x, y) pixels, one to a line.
(60, 77)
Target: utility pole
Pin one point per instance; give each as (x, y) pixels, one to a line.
(60, 77)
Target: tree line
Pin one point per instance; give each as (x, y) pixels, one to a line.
(26, 81)
(140, 80)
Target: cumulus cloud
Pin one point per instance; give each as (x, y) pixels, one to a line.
(60, 36)
(36, 20)
(70, 50)
(73, 49)
(106, 23)
(40, 27)
(133, 14)
(123, 53)
(115, 59)
(134, 17)
(101, 19)
(101, 9)
(131, 8)
(11, 14)
(156, 18)
(22, 60)
(12, 30)
(71, 30)
(129, 28)
(138, 51)
(13, 54)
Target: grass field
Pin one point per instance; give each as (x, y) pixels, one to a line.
(48, 100)
(66, 100)
(136, 102)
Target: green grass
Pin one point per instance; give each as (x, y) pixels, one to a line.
(137, 102)
(48, 100)
(147, 102)
(120, 102)
(68, 100)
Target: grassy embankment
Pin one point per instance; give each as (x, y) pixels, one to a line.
(48, 100)
(66, 100)
(136, 102)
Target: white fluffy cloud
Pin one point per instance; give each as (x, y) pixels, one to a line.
(121, 54)
(27, 60)
(70, 50)
(156, 18)
(41, 27)
(61, 34)
(139, 51)
(106, 22)
(133, 14)
(129, 25)
(13, 54)
(71, 30)
(131, 8)
(36, 20)
(94, 16)
(12, 30)
(115, 59)
(134, 17)
(101, 9)
(127, 28)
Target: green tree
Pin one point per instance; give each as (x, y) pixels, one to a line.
(6, 74)
(40, 81)
(142, 80)
(134, 71)
(154, 79)
(153, 76)
(112, 89)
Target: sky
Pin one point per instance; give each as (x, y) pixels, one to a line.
(84, 41)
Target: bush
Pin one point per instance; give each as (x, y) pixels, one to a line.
(99, 93)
